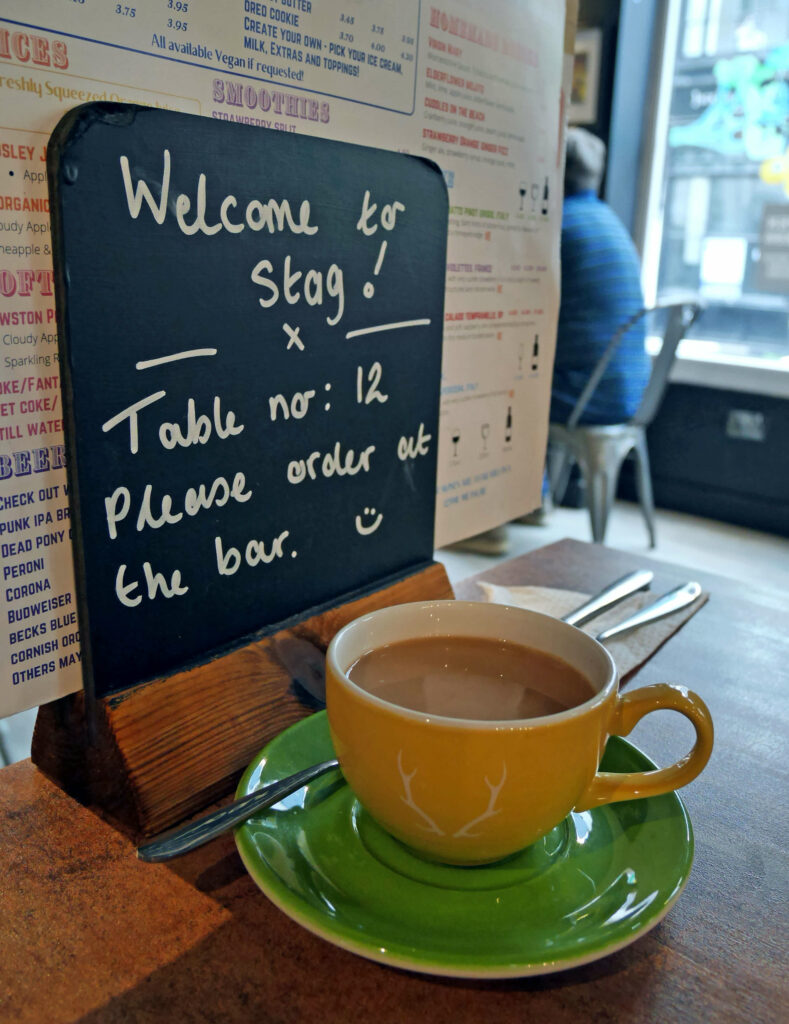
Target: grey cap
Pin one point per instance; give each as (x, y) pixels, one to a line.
(585, 161)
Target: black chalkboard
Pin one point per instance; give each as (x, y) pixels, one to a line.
(250, 329)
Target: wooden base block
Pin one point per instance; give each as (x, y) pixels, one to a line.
(166, 749)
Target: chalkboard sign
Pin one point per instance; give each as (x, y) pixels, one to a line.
(250, 328)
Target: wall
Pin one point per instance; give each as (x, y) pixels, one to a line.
(603, 15)
(707, 458)
(627, 124)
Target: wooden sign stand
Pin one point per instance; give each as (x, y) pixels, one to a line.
(167, 749)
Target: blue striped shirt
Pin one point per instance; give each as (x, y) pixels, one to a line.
(601, 289)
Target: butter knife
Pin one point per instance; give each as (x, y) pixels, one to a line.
(612, 595)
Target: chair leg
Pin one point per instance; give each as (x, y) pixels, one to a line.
(560, 463)
(600, 497)
(601, 460)
(644, 486)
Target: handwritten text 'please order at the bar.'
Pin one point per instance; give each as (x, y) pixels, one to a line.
(156, 511)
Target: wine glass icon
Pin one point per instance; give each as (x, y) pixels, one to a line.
(484, 431)
(522, 192)
(455, 440)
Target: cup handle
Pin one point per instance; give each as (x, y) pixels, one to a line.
(610, 787)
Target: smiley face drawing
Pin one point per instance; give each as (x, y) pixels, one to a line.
(369, 528)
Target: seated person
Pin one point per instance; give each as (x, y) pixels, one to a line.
(601, 290)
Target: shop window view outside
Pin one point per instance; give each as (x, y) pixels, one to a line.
(721, 231)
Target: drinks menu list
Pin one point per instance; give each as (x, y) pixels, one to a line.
(475, 87)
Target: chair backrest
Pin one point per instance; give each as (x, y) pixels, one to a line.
(681, 315)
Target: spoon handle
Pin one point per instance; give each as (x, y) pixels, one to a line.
(196, 833)
(612, 595)
(675, 599)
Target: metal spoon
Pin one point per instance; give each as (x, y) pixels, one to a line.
(188, 837)
(673, 601)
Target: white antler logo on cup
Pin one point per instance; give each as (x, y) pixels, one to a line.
(489, 811)
(429, 825)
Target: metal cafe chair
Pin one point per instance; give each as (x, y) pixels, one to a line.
(600, 451)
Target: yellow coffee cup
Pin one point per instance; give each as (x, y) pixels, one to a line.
(466, 791)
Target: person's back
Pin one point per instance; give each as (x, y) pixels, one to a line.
(601, 290)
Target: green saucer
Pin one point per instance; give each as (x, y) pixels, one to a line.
(597, 882)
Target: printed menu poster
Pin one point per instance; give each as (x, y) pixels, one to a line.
(475, 87)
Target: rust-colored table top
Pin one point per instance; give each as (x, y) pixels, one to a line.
(89, 933)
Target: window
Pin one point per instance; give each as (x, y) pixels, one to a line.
(718, 207)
